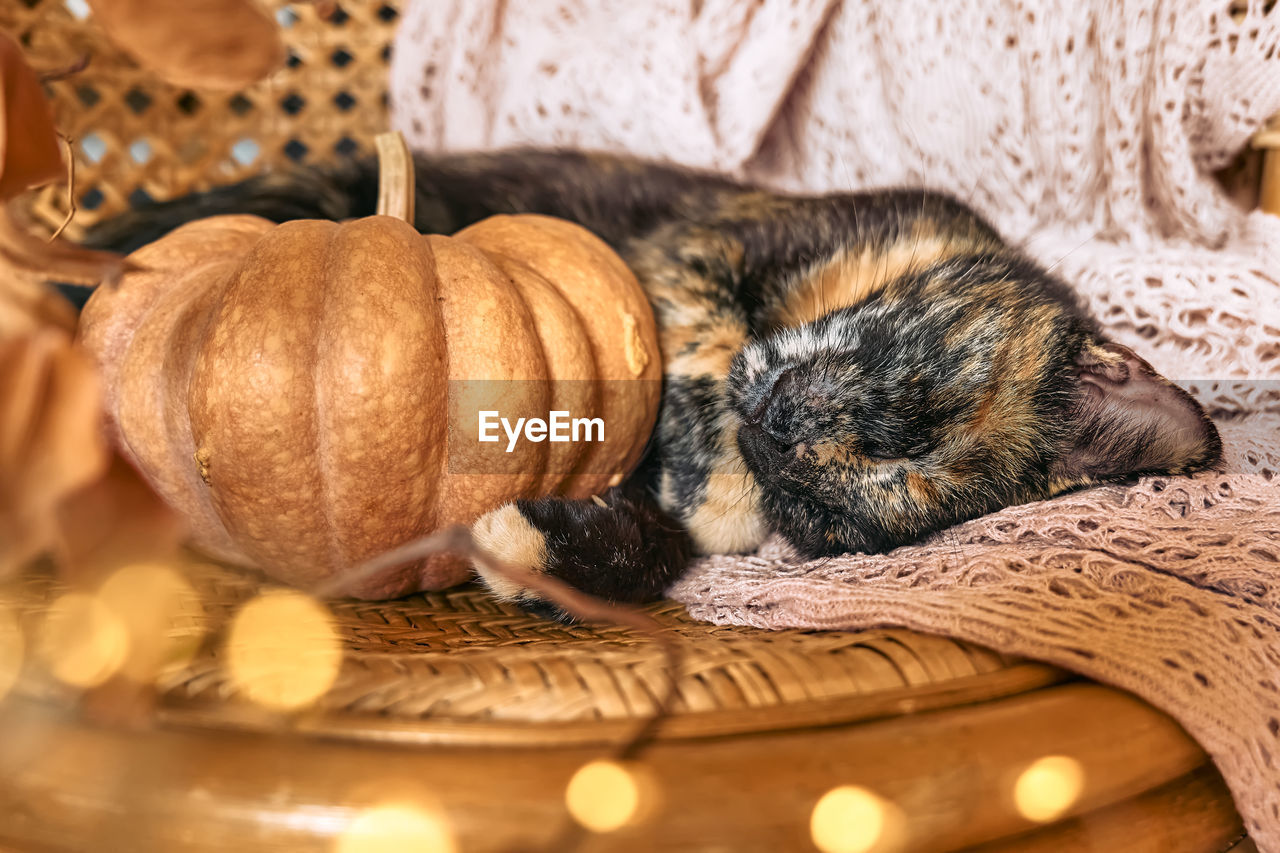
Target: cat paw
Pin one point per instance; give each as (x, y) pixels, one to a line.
(506, 534)
(612, 547)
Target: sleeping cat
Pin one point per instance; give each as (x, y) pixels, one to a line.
(852, 371)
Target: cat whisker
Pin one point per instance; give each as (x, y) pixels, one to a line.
(1086, 242)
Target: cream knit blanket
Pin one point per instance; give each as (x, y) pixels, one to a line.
(1085, 129)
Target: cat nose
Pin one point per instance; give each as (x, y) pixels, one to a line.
(775, 414)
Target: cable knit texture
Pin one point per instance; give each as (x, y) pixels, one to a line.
(1086, 131)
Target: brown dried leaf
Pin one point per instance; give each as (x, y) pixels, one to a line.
(213, 44)
(51, 441)
(61, 489)
(29, 151)
(24, 255)
(31, 155)
(27, 262)
(115, 520)
(28, 305)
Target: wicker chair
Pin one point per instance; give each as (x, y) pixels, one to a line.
(456, 700)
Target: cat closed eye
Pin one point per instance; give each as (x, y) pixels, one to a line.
(893, 453)
(885, 455)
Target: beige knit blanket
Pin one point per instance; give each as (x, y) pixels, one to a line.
(1086, 129)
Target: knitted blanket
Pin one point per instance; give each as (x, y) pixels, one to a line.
(1086, 130)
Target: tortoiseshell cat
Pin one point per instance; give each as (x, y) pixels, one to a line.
(853, 371)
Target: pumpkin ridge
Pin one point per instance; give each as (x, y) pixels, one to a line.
(247, 398)
(320, 403)
(570, 360)
(591, 277)
(378, 338)
(178, 376)
(493, 347)
(114, 312)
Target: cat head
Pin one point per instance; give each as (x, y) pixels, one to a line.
(947, 395)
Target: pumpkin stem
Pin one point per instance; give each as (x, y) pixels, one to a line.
(395, 176)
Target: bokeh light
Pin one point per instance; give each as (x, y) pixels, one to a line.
(852, 819)
(282, 651)
(1050, 786)
(604, 795)
(11, 650)
(158, 609)
(397, 827)
(82, 641)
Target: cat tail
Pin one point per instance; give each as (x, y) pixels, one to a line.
(343, 192)
(621, 547)
(336, 192)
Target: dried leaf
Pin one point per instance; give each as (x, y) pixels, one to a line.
(28, 305)
(31, 155)
(25, 255)
(29, 151)
(61, 489)
(115, 520)
(213, 44)
(51, 441)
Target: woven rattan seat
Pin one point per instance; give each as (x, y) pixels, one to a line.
(455, 699)
(490, 711)
(462, 657)
(441, 663)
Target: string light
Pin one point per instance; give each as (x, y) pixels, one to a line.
(282, 651)
(11, 650)
(157, 608)
(1047, 788)
(852, 819)
(604, 795)
(82, 641)
(399, 827)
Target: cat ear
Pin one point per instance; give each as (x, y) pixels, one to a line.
(1128, 419)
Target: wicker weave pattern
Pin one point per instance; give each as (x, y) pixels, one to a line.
(136, 137)
(459, 655)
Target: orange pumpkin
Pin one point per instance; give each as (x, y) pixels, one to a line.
(306, 394)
